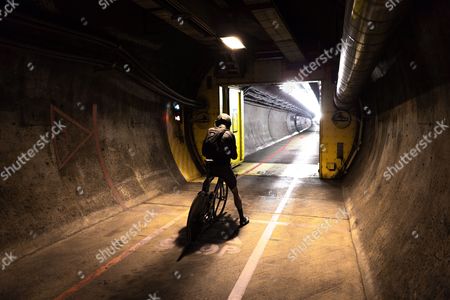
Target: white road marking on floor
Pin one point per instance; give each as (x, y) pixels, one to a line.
(246, 274)
(267, 222)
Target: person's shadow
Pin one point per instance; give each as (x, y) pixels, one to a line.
(225, 228)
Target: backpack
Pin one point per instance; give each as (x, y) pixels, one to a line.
(212, 145)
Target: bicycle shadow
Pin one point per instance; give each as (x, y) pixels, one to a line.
(224, 229)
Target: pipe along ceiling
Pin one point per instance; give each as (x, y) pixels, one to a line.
(368, 26)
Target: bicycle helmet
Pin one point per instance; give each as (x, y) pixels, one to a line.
(223, 119)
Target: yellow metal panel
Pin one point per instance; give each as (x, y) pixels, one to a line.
(204, 118)
(241, 116)
(331, 135)
(180, 152)
(235, 100)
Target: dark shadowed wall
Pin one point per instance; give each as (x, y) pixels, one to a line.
(399, 205)
(102, 163)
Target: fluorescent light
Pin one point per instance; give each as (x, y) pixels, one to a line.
(233, 42)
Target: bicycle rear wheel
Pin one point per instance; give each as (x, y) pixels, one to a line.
(220, 197)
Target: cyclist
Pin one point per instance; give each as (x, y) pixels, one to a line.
(219, 147)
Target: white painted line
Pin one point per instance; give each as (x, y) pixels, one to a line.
(267, 222)
(246, 274)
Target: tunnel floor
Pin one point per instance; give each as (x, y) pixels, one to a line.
(296, 156)
(297, 246)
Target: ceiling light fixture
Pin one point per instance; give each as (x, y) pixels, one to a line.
(232, 42)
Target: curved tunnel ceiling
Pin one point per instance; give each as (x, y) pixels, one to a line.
(273, 96)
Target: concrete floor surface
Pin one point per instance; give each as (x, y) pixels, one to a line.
(297, 246)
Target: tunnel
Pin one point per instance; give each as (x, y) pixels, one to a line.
(337, 147)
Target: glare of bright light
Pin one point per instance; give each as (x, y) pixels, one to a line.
(301, 166)
(318, 116)
(305, 95)
(178, 118)
(232, 42)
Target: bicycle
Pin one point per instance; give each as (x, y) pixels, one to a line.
(206, 208)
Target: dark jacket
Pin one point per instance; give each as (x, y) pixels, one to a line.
(229, 144)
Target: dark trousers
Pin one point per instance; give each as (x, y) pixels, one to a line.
(223, 171)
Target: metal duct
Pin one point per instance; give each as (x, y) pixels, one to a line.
(368, 25)
(272, 22)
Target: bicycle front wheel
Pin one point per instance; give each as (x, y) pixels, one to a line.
(220, 197)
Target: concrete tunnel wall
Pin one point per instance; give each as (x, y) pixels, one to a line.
(264, 126)
(132, 161)
(401, 221)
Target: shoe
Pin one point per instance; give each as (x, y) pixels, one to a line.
(244, 221)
